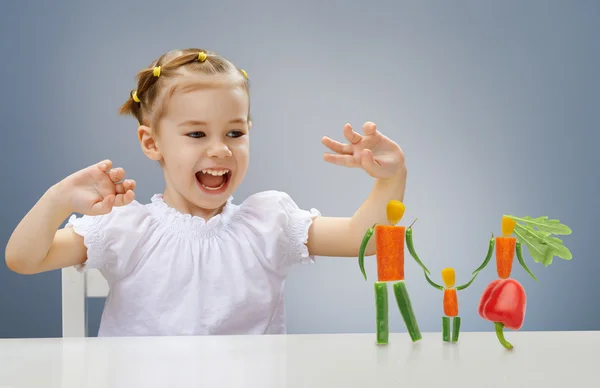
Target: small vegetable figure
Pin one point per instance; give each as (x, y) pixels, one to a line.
(390, 268)
(450, 302)
(504, 302)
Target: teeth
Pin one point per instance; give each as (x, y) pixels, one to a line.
(215, 172)
(213, 188)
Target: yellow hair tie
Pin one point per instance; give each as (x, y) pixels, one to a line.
(244, 73)
(157, 71)
(135, 97)
(202, 56)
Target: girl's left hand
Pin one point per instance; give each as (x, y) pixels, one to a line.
(375, 153)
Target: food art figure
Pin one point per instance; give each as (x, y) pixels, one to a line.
(389, 240)
(504, 300)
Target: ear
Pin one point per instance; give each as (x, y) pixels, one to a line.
(249, 124)
(148, 143)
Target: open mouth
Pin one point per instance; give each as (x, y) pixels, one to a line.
(213, 181)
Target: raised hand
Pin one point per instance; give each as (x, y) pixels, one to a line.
(375, 153)
(96, 189)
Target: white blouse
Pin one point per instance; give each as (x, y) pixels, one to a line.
(175, 274)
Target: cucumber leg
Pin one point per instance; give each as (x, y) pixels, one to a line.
(381, 315)
(455, 328)
(406, 310)
(446, 329)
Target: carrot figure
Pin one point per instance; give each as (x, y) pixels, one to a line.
(390, 268)
(503, 301)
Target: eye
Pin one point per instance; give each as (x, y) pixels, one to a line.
(196, 135)
(235, 133)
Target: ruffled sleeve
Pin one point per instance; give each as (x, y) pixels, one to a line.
(113, 238)
(282, 225)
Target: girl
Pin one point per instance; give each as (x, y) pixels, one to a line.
(191, 262)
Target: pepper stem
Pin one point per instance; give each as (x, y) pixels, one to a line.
(410, 226)
(500, 334)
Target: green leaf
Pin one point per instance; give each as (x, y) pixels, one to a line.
(543, 223)
(558, 248)
(540, 243)
(539, 234)
(536, 249)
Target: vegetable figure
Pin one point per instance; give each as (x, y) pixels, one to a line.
(542, 246)
(450, 293)
(504, 302)
(390, 241)
(450, 302)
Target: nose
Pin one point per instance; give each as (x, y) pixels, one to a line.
(219, 150)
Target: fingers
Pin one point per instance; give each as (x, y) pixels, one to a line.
(336, 146)
(352, 136)
(369, 128)
(104, 165)
(117, 174)
(341, 160)
(103, 207)
(368, 163)
(124, 199)
(128, 184)
(124, 189)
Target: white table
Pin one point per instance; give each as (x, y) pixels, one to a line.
(539, 359)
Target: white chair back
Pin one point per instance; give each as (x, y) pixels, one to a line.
(76, 288)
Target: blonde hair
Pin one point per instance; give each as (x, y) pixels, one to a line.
(155, 86)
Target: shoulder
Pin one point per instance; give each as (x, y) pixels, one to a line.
(122, 226)
(134, 215)
(277, 220)
(269, 204)
(113, 238)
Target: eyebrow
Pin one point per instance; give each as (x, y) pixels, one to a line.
(186, 123)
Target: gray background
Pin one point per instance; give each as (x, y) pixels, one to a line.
(495, 104)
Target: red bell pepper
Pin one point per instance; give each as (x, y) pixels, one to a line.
(504, 302)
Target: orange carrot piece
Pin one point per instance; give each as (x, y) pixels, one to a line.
(505, 254)
(450, 302)
(389, 241)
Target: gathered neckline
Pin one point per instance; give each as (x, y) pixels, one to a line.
(181, 222)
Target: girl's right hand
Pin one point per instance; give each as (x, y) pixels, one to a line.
(96, 189)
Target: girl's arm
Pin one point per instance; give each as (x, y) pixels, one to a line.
(342, 236)
(381, 158)
(37, 245)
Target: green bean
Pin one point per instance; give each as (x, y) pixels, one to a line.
(411, 249)
(381, 306)
(433, 284)
(446, 329)
(521, 261)
(408, 314)
(455, 328)
(462, 287)
(488, 256)
(363, 247)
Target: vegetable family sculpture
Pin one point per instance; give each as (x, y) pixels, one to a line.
(504, 301)
(389, 241)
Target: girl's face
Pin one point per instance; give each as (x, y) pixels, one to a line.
(203, 147)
